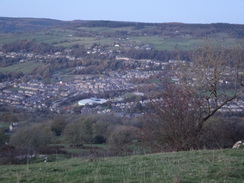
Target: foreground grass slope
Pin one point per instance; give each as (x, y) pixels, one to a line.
(194, 166)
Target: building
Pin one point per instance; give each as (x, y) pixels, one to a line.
(91, 101)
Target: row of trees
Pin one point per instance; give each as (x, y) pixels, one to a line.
(172, 129)
(28, 46)
(75, 131)
(162, 55)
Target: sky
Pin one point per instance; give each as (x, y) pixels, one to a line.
(151, 11)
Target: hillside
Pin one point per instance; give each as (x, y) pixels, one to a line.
(192, 166)
(8, 25)
(38, 24)
(158, 36)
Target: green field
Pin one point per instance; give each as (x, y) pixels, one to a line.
(26, 68)
(87, 41)
(181, 43)
(4, 125)
(45, 37)
(191, 167)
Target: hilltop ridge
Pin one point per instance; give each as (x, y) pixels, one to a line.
(173, 29)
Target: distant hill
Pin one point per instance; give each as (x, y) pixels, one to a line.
(12, 25)
(28, 24)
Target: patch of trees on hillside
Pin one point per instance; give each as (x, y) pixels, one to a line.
(30, 46)
(162, 55)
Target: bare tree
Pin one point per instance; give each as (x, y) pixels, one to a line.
(218, 76)
(214, 78)
(172, 124)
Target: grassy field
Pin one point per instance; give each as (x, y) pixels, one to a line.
(181, 43)
(166, 43)
(87, 41)
(4, 125)
(26, 68)
(191, 167)
(51, 36)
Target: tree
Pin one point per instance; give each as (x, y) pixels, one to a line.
(100, 129)
(213, 67)
(31, 137)
(178, 122)
(79, 132)
(58, 125)
(172, 124)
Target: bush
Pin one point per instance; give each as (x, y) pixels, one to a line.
(222, 133)
(120, 140)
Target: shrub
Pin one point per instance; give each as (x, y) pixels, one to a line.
(120, 140)
(222, 133)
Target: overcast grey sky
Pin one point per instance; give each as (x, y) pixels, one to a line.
(185, 11)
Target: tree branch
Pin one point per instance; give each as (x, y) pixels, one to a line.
(217, 108)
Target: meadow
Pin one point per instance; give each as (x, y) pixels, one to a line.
(26, 68)
(192, 166)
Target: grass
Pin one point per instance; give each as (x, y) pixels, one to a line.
(156, 81)
(58, 36)
(54, 35)
(4, 125)
(193, 166)
(80, 41)
(26, 68)
(85, 149)
(180, 43)
(166, 43)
